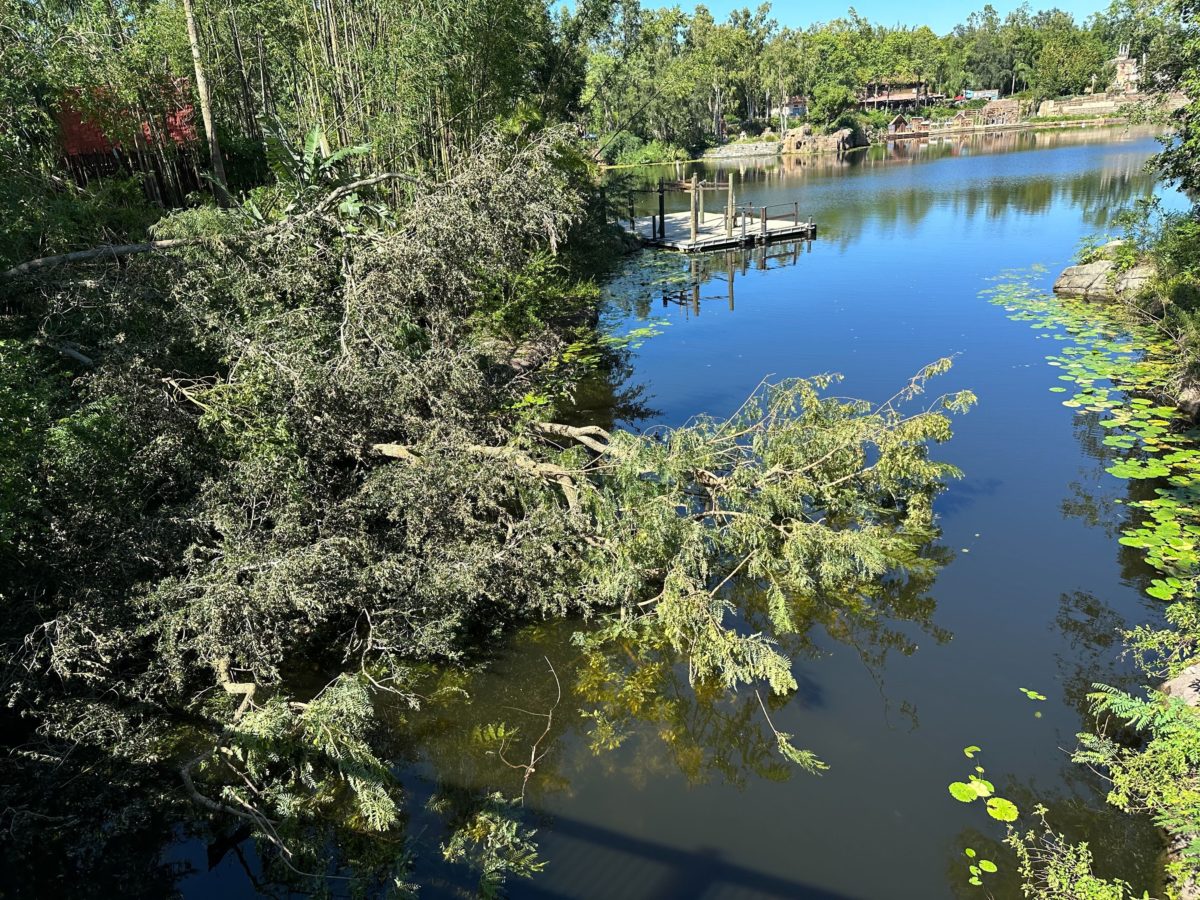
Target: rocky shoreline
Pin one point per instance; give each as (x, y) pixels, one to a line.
(1104, 280)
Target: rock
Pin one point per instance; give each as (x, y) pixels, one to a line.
(1135, 280)
(804, 140)
(1089, 281)
(1188, 401)
(1185, 686)
(1097, 280)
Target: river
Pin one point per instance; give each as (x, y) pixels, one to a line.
(1032, 594)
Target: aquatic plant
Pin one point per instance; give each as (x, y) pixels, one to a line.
(1124, 369)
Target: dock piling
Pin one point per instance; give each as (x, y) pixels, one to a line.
(729, 209)
(695, 207)
(662, 209)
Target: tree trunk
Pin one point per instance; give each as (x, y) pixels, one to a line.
(214, 147)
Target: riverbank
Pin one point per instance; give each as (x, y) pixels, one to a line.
(845, 141)
(1143, 287)
(836, 144)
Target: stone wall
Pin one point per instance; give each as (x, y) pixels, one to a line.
(1107, 104)
(731, 151)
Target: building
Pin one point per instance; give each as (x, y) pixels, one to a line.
(794, 108)
(979, 95)
(1128, 74)
(160, 149)
(966, 118)
(898, 96)
(1001, 112)
(907, 126)
(83, 135)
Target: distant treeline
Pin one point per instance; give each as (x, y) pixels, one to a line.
(685, 79)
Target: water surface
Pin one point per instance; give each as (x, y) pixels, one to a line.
(1037, 588)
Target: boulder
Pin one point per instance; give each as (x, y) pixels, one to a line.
(805, 141)
(1185, 686)
(1089, 281)
(1099, 281)
(1188, 401)
(1135, 280)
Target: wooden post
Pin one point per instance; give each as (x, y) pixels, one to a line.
(729, 271)
(730, 209)
(701, 207)
(763, 214)
(632, 214)
(797, 212)
(743, 226)
(662, 209)
(695, 207)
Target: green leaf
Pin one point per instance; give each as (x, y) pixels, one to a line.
(1002, 810)
(988, 866)
(969, 752)
(963, 792)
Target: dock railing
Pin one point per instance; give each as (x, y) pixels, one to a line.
(763, 214)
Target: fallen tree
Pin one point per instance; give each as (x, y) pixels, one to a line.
(314, 481)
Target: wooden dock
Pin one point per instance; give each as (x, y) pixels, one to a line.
(697, 231)
(713, 231)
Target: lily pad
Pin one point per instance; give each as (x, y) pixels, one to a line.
(963, 792)
(1002, 810)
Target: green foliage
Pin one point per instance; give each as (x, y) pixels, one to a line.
(1176, 67)
(829, 102)
(45, 215)
(1053, 869)
(496, 844)
(689, 80)
(627, 149)
(309, 442)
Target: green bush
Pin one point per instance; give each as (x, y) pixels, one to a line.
(645, 154)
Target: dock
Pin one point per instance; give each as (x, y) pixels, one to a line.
(750, 228)
(733, 226)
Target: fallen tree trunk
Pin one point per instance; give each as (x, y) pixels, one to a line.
(118, 251)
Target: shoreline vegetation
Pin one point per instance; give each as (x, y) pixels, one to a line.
(729, 151)
(295, 328)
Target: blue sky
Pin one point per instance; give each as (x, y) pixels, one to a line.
(940, 15)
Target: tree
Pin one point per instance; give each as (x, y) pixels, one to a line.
(1177, 68)
(210, 128)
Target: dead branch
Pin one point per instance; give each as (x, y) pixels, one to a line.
(114, 251)
(521, 460)
(245, 688)
(535, 757)
(591, 436)
(527, 463)
(118, 251)
(396, 451)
